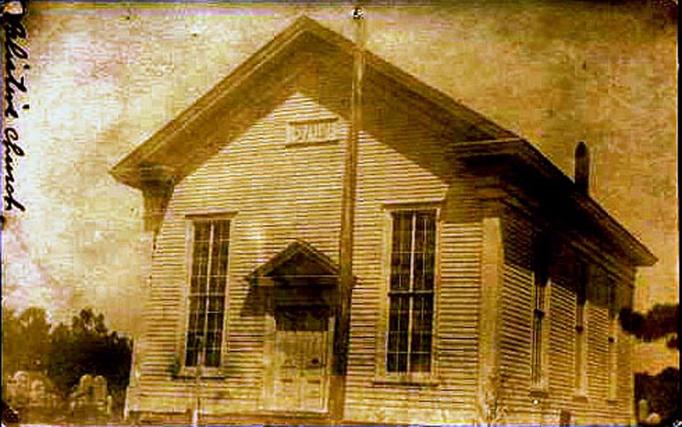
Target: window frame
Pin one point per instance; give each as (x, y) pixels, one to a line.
(581, 331)
(382, 375)
(541, 277)
(190, 224)
(612, 337)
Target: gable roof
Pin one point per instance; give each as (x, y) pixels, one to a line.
(521, 152)
(167, 156)
(188, 122)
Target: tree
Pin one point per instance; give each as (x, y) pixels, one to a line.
(35, 338)
(87, 347)
(10, 341)
(25, 339)
(60, 366)
(66, 353)
(662, 391)
(659, 322)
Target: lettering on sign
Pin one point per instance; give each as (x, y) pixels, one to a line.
(312, 131)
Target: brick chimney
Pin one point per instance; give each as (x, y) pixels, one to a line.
(582, 168)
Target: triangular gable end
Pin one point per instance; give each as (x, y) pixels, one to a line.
(169, 148)
(299, 263)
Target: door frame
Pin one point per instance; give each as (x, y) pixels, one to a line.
(268, 397)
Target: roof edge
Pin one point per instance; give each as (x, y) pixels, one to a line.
(124, 170)
(531, 156)
(294, 248)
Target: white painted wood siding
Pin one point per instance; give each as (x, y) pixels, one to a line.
(281, 193)
(516, 332)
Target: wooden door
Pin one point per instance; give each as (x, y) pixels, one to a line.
(301, 359)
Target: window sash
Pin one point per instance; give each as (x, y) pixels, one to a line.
(580, 360)
(411, 291)
(580, 330)
(542, 249)
(208, 280)
(540, 333)
(613, 341)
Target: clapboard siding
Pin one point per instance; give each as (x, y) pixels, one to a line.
(278, 193)
(517, 302)
(399, 160)
(515, 317)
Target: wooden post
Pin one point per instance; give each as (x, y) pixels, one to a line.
(342, 318)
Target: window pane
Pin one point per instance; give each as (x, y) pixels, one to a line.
(413, 249)
(401, 250)
(191, 353)
(216, 304)
(536, 356)
(392, 362)
(397, 333)
(196, 285)
(207, 292)
(217, 285)
(420, 362)
(422, 315)
(213, 357)
(579, 361)
(221, 230)
(212, 354)
(580, 336)
(215, 322)
(413, 254)
(197, 316)
(200, 251)
(219, 256)
(424, 250)
(539, 297)
(202, 231)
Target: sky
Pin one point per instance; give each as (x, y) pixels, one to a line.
(104, 78)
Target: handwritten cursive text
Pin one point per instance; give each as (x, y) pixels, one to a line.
(15, 84)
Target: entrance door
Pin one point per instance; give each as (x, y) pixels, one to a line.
(301, 359)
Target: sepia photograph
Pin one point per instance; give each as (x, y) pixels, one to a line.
(363, 213)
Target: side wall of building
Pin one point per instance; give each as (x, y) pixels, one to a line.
(544, 406)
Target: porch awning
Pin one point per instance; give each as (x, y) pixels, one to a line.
(299, 264)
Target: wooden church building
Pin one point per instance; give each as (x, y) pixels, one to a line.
(481, 282)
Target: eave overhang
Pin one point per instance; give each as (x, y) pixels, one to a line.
(520, 152)
(151, 169)
(189, 123)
